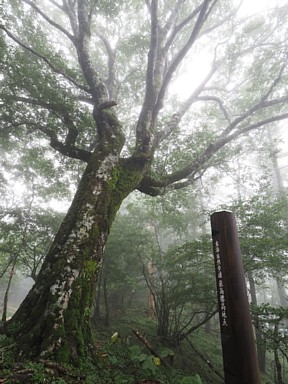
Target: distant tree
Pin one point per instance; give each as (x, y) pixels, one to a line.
(263, 241)
(121, 278)
(183, 288)
(26, 234)
(272, 322)
(65, 65)
(263, 234)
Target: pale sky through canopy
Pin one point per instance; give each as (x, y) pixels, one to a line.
(250, 7)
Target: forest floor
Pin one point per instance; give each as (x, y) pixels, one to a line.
(127, 358)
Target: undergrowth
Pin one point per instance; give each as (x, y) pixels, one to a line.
(117, 363)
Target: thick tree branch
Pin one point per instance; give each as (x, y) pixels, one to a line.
(96, 85)
(69, 9)
(256, 125)
(187, 175)
(107, 124)
(65, 149)
(156, 84)
(111, 80)
(150, 90)
(143, 129)
(148, 5)
(73, 133)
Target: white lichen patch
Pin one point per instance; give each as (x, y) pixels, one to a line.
(57, 287)
(63, 300)
(88, 220)
(104, 172)
(63, 291)
(107, 165)
(82, 228)
(75, 244)
(96, 191)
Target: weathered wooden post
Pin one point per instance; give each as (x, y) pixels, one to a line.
(237, 337)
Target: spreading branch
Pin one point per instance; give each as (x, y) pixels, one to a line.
(111, 80)
(187, 175)
(201, 19)
(143, 130)
(96, 85)
(49, 20)
(43, 58)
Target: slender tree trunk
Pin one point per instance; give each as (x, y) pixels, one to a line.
(278, 366)
(279, 188)
(6, 295)
(107, 309)
(282, 293)
(151, 300)
(96, 317)
(163, 315)
(53, 321)
(259, 340)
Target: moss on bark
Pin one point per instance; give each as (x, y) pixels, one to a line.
(54, 320)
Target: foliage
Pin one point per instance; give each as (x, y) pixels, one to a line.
(183, 287)
(49, 98)
(262, 225)
(139, 236)
(6, 352)
(117, 363)
(140, 365)
(272, 322)
(26, 235)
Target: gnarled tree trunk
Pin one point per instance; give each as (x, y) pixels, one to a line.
(54, 319)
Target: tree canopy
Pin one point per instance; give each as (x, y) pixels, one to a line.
(63, 60)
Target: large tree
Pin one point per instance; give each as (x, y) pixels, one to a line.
(93, 77)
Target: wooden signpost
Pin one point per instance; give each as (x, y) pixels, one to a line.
(237, 336)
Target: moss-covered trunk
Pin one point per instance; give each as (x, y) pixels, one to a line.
(54, 319)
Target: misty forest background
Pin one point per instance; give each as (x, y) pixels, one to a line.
(157, 276)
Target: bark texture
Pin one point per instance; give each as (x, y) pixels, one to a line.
(54, 319)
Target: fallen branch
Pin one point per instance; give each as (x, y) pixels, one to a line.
(149, 347)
